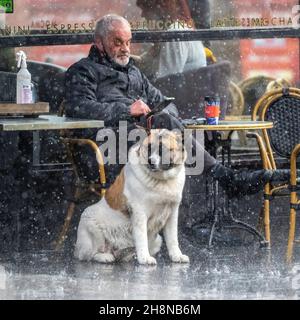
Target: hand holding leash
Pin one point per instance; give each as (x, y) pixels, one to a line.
(160, 106)
(139, 108)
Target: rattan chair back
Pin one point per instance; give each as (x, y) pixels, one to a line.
(282, 107)
(285, 114)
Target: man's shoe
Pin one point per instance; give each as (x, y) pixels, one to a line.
(242, 182)
(281, 175)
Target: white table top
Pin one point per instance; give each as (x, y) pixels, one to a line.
(46, 122)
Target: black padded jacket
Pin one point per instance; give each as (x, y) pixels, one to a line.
(98, 88)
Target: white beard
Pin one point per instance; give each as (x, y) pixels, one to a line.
(123, 62)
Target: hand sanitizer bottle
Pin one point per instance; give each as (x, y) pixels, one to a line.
(24, 89)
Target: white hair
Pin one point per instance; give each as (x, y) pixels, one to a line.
(106, 25)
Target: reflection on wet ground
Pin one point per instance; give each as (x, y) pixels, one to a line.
(226, 272)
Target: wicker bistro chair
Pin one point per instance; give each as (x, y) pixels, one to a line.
(82, 185)
(282, 107)
(253, 88)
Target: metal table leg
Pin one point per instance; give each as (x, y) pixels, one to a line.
(231, 222)
(215, 213)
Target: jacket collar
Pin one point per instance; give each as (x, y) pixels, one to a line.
(103, 58)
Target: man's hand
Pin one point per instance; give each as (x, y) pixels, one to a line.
(139, 108)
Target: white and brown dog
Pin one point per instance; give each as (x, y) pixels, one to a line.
(143, 200)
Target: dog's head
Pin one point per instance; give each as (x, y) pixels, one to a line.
(162, 151)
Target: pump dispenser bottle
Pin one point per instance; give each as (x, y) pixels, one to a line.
(24, 89)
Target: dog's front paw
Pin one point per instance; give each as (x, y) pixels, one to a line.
(180, 258)
(104, 257)
(146, 260)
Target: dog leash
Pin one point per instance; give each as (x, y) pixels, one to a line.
(148, 125)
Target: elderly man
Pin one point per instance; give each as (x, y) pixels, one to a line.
(108, 86)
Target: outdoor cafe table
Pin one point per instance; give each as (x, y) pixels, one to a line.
(231, 125)
(45, 122)
(234, 125)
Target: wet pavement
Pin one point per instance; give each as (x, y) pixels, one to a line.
(236, 267)
(236, 270)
